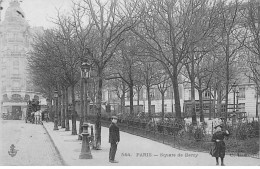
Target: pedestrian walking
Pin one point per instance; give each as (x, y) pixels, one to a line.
(114, 138)
(219, 144)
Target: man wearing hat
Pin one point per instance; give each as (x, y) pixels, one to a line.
(114, 138)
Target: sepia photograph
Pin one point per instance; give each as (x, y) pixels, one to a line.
(129, 83)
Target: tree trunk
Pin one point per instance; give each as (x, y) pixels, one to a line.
(227, 88)
(175, 84)
(201, 106)
(162, 106)
(59, 109)
(214, 103)
(193, 102)
(138, 100)
(131, 89)
(97, 144)
(149, 102)
(74, 113)
(123, 99)
(67, 124)
(257, 96)
(219, 102)
(51, 110)
(63, 110)
(81, 106)
(210, 104)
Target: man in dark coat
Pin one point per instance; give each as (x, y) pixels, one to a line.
(220, 147)
(114, 138)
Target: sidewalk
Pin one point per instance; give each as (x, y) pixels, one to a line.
(134, 151)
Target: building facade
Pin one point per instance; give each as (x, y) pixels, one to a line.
(15, 40)
(242, 97)
(109, 96)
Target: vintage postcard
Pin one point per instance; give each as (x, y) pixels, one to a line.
(129, 82)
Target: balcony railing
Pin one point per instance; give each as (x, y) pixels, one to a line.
(17, 89)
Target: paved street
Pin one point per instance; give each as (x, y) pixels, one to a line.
(32, 142)
(135, 151)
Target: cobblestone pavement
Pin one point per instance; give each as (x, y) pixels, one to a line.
(32, 142)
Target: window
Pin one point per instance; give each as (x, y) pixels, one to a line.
(144, 94)
(168, 93)
(16, 64)
(141, 94)
(241, 92)
(180, 92)
(15, 83)
(189, 94)
(207, 94)
(165, 108)
(109, 95)
(241, 107)
(223, 108)
(152, 94)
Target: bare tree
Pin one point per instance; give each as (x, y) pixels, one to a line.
(163, 85)
(164, 30)
(252, 24)
(231, 38)
(108, 27)
(202, 26)
(150, 72)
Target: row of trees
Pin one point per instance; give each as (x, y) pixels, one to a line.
(146, 43)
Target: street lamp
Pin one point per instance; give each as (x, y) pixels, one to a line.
(56, 111)
(85, 73)
(85, 69)
(85, 149)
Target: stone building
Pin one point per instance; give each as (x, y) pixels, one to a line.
(15, 41)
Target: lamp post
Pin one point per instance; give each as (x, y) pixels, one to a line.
(56, 111)
(85, 149)
(81, 102)
(85, 69)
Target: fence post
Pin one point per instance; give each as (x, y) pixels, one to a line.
(154, 134)
(212, 128)
(174, 140)
(163, 133)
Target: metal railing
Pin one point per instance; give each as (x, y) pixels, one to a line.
(181, 139)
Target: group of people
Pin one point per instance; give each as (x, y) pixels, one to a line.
(37, 116)
(218, 151)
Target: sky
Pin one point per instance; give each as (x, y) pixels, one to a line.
(39, 12)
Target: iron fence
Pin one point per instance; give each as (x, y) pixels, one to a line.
(182, 138)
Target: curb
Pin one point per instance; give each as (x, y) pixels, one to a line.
(57, 150)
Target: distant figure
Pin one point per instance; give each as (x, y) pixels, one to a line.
(219, 146)
(33, 117)
(114, 138)
(46, 116)
(37, 116)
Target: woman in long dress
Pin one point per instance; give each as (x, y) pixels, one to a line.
(219, 146)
